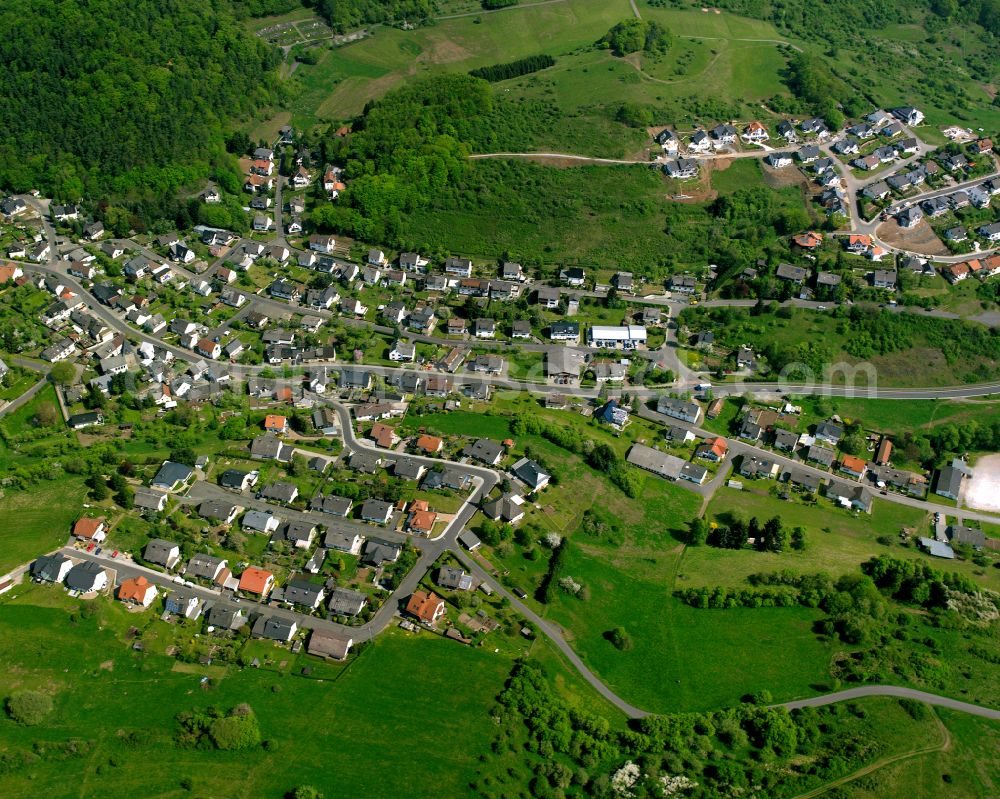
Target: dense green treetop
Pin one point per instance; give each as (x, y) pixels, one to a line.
(122, 98)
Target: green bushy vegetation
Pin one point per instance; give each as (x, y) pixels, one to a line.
(514, 69)
(634, 35)
(345, 15)
(565, 751)
(123, 100)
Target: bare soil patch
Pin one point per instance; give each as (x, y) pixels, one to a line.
(783, 177)
(921, 238)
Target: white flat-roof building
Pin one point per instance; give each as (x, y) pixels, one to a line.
(627, 337)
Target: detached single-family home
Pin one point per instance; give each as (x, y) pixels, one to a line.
(86, 577)
(51, 568)
(427, 607)
(88, 529)
(256, 581)
(162, 553)
(137, 591)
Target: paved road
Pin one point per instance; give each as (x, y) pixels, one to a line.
(894, 690)
(738, 447)
(553, 633)
(14, 404)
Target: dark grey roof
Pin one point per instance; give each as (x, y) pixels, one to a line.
(270, 446)
(216, 509)
(408, 469)
(378, 551)
(279, 491)
(232, 478)
(375, 509)
(455, 578)
(160, 551)
(82, 576)
(960, 534)
(529, 472)
(344, 602)
(338, 506)
(274, 628)
(295, 531)
(204, 566)
(483, 450)
(170, 474)
(47, 567)
(303, 592)
(228, 616)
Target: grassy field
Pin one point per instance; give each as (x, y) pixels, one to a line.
(838, 541)
(38, 521)
(344, 80)
(960, 770)
(712, 57)
(335, 731)
(682, 658)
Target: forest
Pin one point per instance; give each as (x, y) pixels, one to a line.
(127, 100)
(345, 15)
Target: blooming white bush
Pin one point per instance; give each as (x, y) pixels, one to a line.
(570, 585)
(674, 785)
(623, 780)
(552, 540)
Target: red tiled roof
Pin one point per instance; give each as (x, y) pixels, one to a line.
(87, 528)
(255, 580)
(426, 607)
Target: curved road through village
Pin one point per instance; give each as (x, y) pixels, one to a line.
(487, 479)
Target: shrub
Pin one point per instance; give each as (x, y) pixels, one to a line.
(619, 639)
(29, 707)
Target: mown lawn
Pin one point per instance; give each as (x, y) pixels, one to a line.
(337, 733)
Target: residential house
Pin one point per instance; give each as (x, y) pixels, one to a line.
(51, 568)
(755, 132)
(681, 168)
(280, 492)
(256, 581)
(427, 607)
(86, 577)
(162, 553)
(376, 511)
(531, 474)
(137, 591)
(850, 496)
(218, 510)
(344, 602)
(853, 466)
(659, 463)
(949, 481)
(685, 410)
(547, 297)
(171, 475)
(573, 276)
(378, 551)
(485, 451)
(714, 449)
(259, 521)
(90, 529)
(208, 567)
(820, 454)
